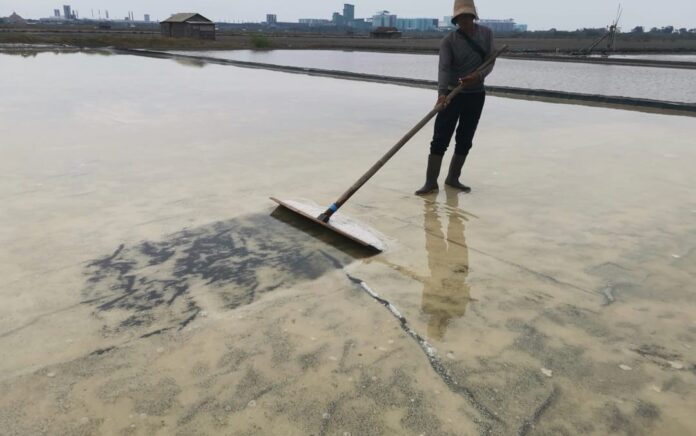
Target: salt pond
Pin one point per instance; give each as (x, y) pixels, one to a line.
(659, 57)
(148, 289)
(640, 82)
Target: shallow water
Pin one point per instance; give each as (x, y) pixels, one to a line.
(652, 83)
(147, 288)
(660, 57)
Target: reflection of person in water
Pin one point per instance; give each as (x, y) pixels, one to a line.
(445, 293)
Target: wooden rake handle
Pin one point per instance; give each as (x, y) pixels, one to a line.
(326, 216)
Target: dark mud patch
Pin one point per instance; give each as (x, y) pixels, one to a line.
(620, 421)
(153, 398)
(359, 410)
(657, 354)
(312, 359)
(156, 285)
(647, 410)
(101, 351)
(615, 273)
(583, 319)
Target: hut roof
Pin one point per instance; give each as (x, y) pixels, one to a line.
(15, 18)
(187, 17)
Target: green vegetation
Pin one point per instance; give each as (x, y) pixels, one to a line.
(260, 42)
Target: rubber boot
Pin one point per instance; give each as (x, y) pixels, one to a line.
(455, 170)
(431, 175)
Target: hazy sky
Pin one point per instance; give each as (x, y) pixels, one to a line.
(538, 14)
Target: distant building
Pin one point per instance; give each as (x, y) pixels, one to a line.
(417, 24)
(56, 13)
(384, 19)
(499, 25)
(337, 19)
(147, 18)
(188, 25)
(503, 26)
(67, 12)
(271, 19)
(348, 12)
(360, 24)
(386, 33)
(315, 22)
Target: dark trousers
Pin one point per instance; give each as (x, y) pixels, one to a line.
(465, 109)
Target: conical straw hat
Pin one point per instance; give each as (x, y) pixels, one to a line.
(463, 7)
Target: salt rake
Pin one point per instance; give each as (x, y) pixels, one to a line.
(343, 225)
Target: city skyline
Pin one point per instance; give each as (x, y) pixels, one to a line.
(538, 14)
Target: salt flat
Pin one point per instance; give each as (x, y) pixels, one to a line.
(147, 288)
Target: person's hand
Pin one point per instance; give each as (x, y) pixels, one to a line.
(441, 102)
(470, 80)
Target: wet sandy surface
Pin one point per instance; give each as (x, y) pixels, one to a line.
(147, 288)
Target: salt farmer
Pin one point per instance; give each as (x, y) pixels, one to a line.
(461, 53)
